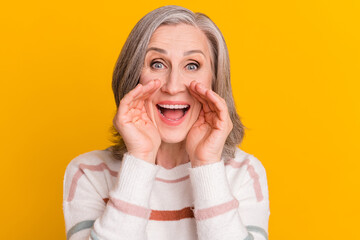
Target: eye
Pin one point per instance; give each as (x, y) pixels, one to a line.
(157, 65)
(192, 66)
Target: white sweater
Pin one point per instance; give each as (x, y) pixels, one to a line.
(105, 198)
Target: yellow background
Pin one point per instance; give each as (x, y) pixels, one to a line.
(295, 73)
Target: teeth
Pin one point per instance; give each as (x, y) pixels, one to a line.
(178, 106)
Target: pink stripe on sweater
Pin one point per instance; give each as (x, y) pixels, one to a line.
(80, 172)
(257, 186)
(252, 173)
(211, 212)
(73, 185)
(130, 209)
(235, 164)
(100, 167)
(172, 181)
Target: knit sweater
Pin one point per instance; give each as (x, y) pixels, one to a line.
(131, 199)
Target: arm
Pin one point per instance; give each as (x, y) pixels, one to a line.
(126, 213)
(220, 211)
(231, 212)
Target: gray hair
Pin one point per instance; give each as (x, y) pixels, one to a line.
(129, 65)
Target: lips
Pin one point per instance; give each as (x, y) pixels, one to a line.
(172, 113)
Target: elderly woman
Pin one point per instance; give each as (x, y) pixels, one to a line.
(175, 171)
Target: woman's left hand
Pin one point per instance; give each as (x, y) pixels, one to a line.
(206, 139)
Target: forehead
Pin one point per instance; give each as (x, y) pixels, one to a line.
(181, 37)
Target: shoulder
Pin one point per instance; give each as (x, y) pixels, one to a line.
(94, 170)
(246, 170)
(243, 160)
(93, 160)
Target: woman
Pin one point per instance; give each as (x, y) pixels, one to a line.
(176, 172)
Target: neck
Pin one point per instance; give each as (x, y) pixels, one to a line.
(171, 155)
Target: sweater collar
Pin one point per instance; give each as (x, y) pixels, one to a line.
(174, 173)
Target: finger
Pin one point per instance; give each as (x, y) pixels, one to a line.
(205, 94)
(214, 101)
(151, 91)
(219, 104)
(200, 120)
(125, 103)
(135, 98)
(141, 95)
(198, 96)
(148, 90)
(130, 96)
(200, 90)
(151, 108)
(201, 100)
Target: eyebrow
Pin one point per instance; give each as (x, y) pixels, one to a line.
(160, 50)
(193, 51)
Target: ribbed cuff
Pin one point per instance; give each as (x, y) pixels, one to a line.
(210, 184)
(135, 180)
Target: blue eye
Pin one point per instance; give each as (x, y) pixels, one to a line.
(157, 65)
(192, 66)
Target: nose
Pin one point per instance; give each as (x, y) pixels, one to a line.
(174, 83)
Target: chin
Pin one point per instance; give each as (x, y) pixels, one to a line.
(173, 136)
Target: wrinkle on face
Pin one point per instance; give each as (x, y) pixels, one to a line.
(176, 46)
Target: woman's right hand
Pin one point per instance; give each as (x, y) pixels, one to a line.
(140, 135)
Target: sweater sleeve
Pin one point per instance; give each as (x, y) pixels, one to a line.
(227, 212)
(126, 213)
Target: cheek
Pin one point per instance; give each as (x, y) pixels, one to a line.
(144, 78)
(150, 107)
(207, 79)
(147, 75)
(196, 110)
(204, 77)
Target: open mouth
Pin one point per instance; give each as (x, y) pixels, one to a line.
(173, 112)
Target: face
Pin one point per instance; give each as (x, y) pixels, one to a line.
(176, 55)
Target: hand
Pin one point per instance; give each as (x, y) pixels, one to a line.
(206, 139)
(140, 135)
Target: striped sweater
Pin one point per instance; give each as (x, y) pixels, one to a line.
(105, 198)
